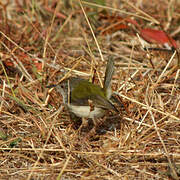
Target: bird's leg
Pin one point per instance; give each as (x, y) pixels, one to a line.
(83, 124)
(77, 121)
(92, 132)
(97, 124)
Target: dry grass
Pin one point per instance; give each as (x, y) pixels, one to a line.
(41, 41)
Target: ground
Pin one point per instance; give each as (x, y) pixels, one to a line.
(42, 42)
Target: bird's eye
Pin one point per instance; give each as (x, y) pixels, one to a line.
(62, 86)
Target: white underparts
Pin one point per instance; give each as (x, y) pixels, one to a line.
(84, 111)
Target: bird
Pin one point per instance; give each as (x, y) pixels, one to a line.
(85, 99)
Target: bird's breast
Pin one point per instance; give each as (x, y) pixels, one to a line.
(86, 111)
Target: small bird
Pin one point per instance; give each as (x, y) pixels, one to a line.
(85, 99)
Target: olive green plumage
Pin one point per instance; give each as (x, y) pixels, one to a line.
(79, 93)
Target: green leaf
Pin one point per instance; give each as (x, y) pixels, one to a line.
(15, 142)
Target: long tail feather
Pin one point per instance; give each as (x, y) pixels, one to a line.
(108, 76)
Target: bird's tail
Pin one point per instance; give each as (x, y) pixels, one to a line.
(108, 76)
